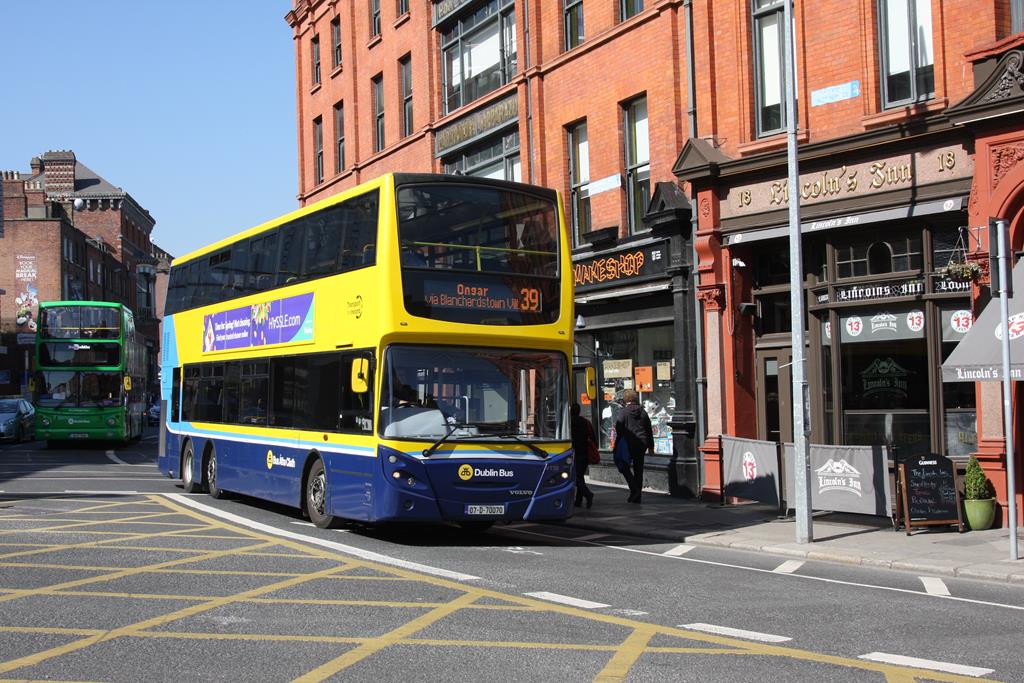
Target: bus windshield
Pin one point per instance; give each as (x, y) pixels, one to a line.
(496, 394)
(478, 254)
(80, 322)
(61, 389)
(79, 354)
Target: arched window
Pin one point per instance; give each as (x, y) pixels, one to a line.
(879, 258)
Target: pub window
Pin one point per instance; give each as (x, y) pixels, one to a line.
(769, 76)
(318, 149)
(405, 72)
(629, 8)
(335, 42)
(573, 22)
(479, 53)
(891, 255)
(638, 162)
(579, 180)
(496, 157)
(378, 112)
(905, 40)
(315, 49)
(339, 137)
(374, 18)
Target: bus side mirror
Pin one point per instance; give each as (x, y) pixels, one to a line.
(360, 375)
(591, 376)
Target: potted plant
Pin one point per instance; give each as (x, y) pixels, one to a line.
(961, 271)
(979, 497)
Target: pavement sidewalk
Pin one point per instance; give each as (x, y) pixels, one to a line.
(850, 539)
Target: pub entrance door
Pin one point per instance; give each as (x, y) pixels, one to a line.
(774, 395)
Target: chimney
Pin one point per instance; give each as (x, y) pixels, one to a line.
(59, 169)
(37, 166)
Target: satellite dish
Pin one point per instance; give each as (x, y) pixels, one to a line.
(78, 203)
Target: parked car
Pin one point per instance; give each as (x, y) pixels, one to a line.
(153, 415)
(17, 419)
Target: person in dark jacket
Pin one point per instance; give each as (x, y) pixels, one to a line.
(582, 437)
(633, 425)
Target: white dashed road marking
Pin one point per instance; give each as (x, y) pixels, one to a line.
(903, 660)
(737, 633)
(680, 549)
(934, 586)
(566, 600)
(788, 567)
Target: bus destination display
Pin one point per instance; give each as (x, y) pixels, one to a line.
(484, 297)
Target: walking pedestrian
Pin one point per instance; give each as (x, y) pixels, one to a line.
(582, 442)
(634, 426)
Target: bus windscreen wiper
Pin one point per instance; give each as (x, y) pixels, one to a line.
(537, 450)
(427, 452)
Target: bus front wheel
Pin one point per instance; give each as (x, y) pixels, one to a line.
(316, 497)
(188, 478)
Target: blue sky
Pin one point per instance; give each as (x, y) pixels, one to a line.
(187, 105)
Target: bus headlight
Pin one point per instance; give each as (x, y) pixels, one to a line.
(111, 421)
(46, 421)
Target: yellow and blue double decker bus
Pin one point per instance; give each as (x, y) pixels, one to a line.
(397, 352)
(89, 381)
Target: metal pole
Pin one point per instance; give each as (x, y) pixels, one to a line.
(1004, 311)
(801, 469)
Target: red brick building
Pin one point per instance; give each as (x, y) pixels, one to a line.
(68, 234)
(909, 129)
(587, 97)
(909, 139)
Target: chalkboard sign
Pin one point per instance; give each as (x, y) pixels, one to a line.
(927, 492)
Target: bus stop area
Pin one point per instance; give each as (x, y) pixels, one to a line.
(838, 537)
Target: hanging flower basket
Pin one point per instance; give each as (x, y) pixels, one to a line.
(958, 271)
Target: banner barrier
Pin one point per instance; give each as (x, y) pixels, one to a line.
(846, 478)
(750, 470)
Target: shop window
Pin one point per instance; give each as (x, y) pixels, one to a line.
(479, 53)
(905, 40)
(640, 359)
(885, 378)
(773, 314)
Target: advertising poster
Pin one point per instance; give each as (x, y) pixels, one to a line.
(282, 321)
(26, 299)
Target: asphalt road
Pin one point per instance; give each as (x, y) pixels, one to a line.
(110, 572)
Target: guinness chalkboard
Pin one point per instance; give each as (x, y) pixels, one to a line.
(927, 492)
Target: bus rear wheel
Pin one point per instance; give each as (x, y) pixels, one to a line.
(211, 476)
(316, 497)
(188, 479)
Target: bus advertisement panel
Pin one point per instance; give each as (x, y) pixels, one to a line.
(89, 381)
(398, 352)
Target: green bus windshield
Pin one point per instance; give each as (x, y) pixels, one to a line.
(80, 322)
(68, 389)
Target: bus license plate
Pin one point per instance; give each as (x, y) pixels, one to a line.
(78, 435)
(485, 509)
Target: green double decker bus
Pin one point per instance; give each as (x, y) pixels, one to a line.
(89, 381)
